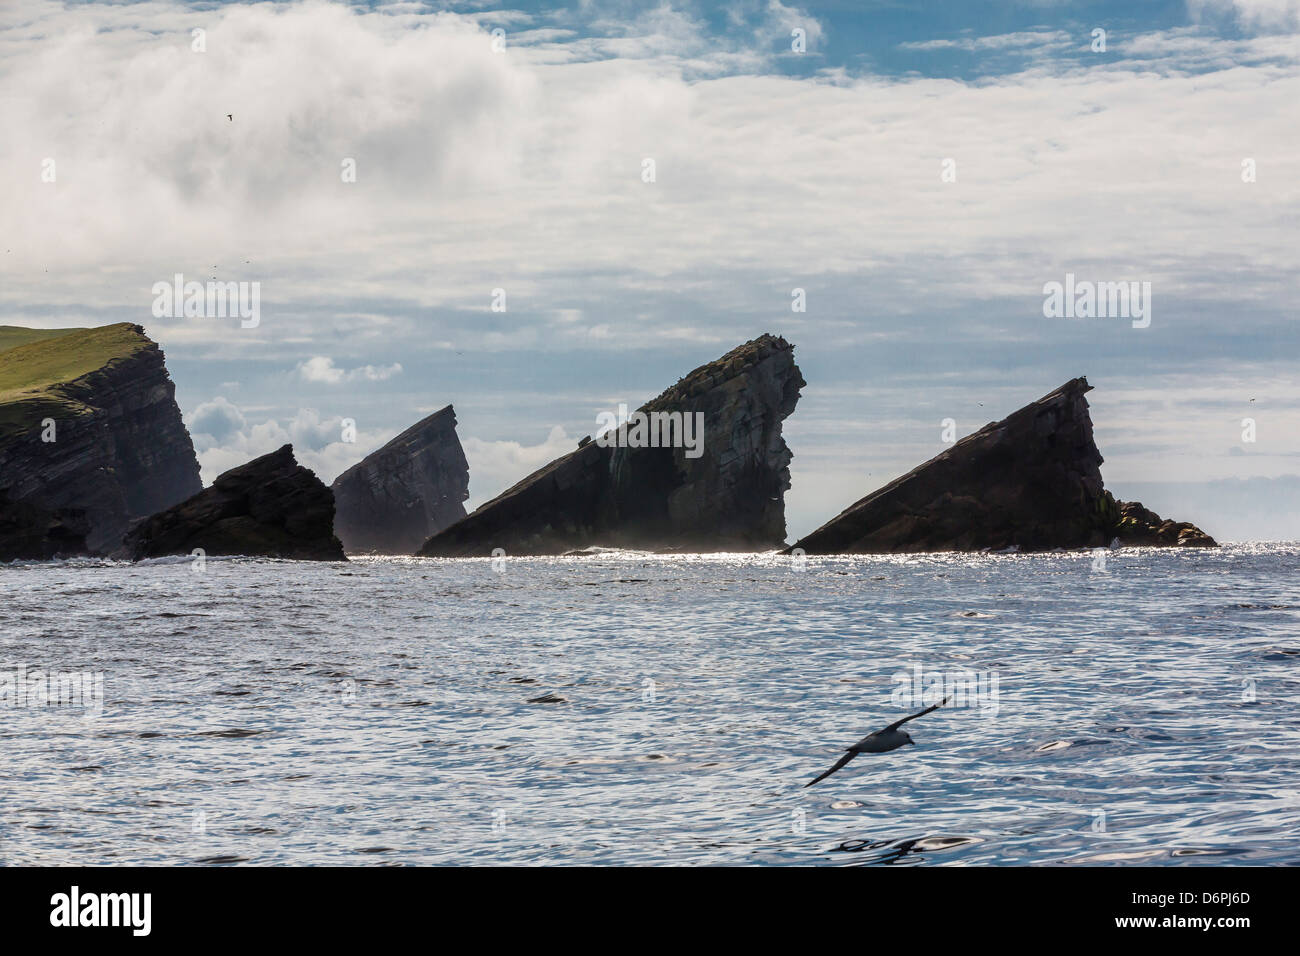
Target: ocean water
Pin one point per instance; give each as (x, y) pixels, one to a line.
(1140, 710)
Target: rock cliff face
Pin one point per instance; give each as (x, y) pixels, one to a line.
(28, 532)
(395, 498)
(724, 492)
(1031, 481)
(271, 507)
(119, 449)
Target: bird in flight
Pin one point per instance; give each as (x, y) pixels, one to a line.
(891, 738)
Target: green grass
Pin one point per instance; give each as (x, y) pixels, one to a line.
(36, 363)
(12, 336)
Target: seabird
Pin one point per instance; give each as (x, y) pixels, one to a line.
(891, 738)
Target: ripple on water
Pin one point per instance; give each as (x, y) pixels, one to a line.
(621, 707)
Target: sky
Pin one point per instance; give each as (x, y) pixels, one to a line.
(920, 170)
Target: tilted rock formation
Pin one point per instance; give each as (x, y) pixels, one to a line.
(120, 450)
(395, 498)
(730, 497)
(1031, 481)
(271, 507)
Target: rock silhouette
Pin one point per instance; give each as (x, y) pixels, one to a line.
(1031, 481)
(730, 497)
(271, 507)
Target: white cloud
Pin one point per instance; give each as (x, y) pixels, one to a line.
(479, 170)
(224, 438)
(217, 420)
(495, 466)
(1277, 15)
(321, 369)
(1039, 41)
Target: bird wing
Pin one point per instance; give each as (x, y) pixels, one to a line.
(898, 723)
(848, 755)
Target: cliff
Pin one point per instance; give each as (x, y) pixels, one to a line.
(1031, 481)
(29, 532)
(412, 488)
(271, 507)
(725, 492)
(119, 448)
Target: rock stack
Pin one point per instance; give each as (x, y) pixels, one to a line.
(395, 498)
(1031, 482)
(271, 507)
(725, 492)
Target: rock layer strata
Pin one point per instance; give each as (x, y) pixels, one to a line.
(89, 424)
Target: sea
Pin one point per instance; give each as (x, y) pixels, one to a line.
(1120, 707)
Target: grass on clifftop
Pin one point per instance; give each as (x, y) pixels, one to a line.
(34, 363)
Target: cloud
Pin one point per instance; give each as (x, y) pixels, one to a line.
(224, 438)
(1039, 41)
(495, 466)
(218, 420)
(514, 170)
(1272, 15)
(322, 370)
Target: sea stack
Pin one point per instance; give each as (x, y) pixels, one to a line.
(1030, 482)
(724, 493)
(395, 498)
(271, 507)
(91, 437)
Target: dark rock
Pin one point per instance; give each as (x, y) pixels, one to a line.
(271, 507)
(730, 497)
(30, 533)
(412, 488)
(1138, 526)
(1031, 482)
(121, 450)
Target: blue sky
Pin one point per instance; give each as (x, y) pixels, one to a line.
(521, 168)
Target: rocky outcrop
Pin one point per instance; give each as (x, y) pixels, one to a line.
(89, 423)
(271, 507)
(1137, 526)
(28, 532)
(1031, 481)
(395, 498)
(724, 492)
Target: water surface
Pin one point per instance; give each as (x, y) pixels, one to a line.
(387, 711)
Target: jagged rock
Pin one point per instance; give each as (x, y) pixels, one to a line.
(120, 449)
(412, 488)
(1138, 526)
(730, 497)
(1031, 482)
(28, 532)
(271, 507)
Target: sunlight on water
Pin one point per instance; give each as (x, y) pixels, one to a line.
(634, 708)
